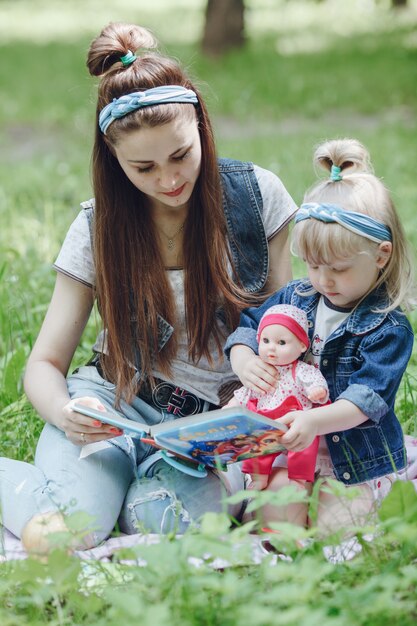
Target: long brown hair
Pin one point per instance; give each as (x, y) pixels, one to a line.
(132, 286)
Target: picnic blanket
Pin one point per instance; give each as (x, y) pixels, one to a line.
(11, 547)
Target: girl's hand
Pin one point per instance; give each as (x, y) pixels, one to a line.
(302, 430)
(80, 429)
(258, 375)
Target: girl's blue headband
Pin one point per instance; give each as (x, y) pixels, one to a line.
(139, 99)
(358, 223)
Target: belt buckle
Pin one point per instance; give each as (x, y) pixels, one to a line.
(175, 400)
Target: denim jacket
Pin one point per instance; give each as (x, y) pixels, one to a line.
(242, 204)
(363, 361)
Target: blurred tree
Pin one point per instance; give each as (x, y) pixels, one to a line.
(399, 3)
(224, 26)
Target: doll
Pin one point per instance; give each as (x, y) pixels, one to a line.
(282, 339)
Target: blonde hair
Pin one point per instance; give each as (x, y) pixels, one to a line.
(361, 191)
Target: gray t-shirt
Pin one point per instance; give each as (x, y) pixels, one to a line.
(209, 382)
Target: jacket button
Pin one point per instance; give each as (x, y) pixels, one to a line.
(336, 438)
(310, 324)
(325, 362)
(346, 475)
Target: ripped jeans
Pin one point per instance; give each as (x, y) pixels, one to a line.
(114, 481)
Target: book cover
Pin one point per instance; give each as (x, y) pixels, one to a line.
(222, 436)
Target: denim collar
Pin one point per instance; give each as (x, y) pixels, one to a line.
(362, 319)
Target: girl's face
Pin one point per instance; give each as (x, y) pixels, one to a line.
(346, 281)
(279, 346)
(163, 162)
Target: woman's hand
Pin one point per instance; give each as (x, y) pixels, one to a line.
(258, 375)
(254, 373)
(80, 429)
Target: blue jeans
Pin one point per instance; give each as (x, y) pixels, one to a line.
(121, 480)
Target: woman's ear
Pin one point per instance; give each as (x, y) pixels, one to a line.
(384, 253)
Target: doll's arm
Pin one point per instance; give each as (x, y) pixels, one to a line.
(318, 395)
(313, 382)
(240, 397)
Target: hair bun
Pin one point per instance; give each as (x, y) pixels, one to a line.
(114, 41)
(348, 154)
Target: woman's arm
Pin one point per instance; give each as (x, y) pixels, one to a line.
(248, 366)
(49, 361)
(280, 271)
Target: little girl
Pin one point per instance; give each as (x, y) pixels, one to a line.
(359, 275)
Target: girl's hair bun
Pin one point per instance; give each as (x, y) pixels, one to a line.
(348, 154)
(114, 41)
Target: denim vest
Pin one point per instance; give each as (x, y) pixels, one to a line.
(242, 205)
(363, 361)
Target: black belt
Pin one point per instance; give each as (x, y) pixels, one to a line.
(166, 396)
(171, 398)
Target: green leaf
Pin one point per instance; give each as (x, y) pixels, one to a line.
(400, 502)
(216, 524)
(13, 373)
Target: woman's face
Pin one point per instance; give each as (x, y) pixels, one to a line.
(163, 162)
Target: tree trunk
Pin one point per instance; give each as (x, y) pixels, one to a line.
(224, 26)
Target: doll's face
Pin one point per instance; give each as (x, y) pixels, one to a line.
(279, 346)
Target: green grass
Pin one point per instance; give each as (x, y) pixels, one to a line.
(310, 71)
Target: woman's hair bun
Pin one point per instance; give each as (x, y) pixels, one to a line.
(348, 154)
(114, 41)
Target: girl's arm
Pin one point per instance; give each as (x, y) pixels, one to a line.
(369, 393)
(50, 359)
(306, 425)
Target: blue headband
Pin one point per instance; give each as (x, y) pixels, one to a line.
(139, 99)
(358, 223)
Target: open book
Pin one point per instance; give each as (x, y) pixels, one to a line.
(214, 438)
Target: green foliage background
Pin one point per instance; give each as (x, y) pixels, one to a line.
(309, 71)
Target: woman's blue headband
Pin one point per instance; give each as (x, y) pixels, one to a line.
(139, 99)
(358, 223)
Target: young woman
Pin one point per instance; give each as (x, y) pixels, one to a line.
(359, 276)
(174, 245)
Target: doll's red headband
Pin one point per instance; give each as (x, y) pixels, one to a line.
(283, 320)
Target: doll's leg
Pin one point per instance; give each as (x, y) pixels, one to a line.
(295, 513)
